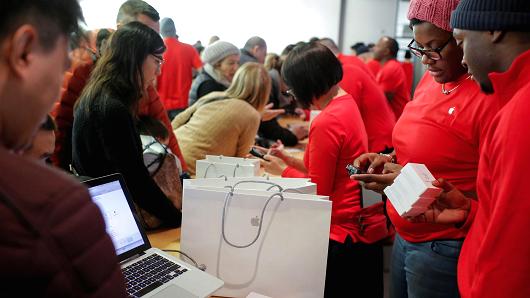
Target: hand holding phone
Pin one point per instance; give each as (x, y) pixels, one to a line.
(352, 170)
(257, 153)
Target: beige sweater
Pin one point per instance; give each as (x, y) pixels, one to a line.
(224, 127)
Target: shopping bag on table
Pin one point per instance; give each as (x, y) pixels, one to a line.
(270, 242)
(214, 166)
(297, 185)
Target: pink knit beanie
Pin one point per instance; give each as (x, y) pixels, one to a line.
(437, 12)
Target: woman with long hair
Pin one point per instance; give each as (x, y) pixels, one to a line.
(224, 123)
(105, 139)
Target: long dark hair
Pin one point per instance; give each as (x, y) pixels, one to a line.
(118, 73)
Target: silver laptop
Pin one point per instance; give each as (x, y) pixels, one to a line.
(149, 272)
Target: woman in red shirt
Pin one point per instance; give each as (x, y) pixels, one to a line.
(442, 128)
(336, 137)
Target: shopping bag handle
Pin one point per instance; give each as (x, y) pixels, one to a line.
(212, 164)
(272, 185)
(230, 195)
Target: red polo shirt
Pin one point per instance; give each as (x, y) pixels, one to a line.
(377, 115)
(336, 138)
(374, 67)
(495, 258)
(355, 61)
(392, 79)
(443, 132)
(408, 68)
(174, 82)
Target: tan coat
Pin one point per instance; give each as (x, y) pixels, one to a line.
(218, 127)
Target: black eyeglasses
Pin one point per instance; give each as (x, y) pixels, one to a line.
(291, 93)
(159, 60)
(433, 54)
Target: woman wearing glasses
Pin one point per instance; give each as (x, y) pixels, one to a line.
(442, 128)
(105, 139)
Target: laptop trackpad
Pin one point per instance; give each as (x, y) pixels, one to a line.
(174, 291)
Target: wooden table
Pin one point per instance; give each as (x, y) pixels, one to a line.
(165, 238)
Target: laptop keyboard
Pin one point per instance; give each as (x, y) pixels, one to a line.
(149, 273)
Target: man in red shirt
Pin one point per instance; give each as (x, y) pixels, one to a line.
(344, 59)
(495, 259)
(378, 118)
(180, 60)
(391, 77)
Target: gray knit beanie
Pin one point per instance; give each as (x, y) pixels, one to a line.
(167, 28)
(217, 51)
(485, 15)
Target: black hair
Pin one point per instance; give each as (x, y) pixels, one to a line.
(150, 126)
(51, 18)
(311, 70)
(408, 54)
(357, 45)
(103, 35)
(414, 22)
(287, 50)
(130, 10)
(393, 46)
(48, 124)
(118, 73)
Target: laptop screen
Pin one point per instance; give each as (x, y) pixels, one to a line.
(119, 219)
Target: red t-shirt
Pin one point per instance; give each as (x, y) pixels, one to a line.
(408, 68)
(377, 115)
(495, 258)
(443, 132)
(174, 82)
(355, 61)
(374, 67)
(336, 138)
(391, 78)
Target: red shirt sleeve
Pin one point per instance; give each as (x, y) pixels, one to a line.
(290, 172)
(63, 112)
(197, 62)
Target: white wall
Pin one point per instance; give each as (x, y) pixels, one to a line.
(368, 20)
(279, 22)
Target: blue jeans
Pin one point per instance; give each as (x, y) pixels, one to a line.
(425, 269)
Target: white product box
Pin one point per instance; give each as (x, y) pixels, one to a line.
(412, 192)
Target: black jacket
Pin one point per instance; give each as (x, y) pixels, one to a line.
(105, 141)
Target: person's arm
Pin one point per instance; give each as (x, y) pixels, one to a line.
(272, 130)
(250, 124)
(119, 138)
(197, 63)
(63, 114)
(156, 110)
(325, 141)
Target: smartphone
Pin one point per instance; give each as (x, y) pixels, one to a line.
(257, 153)
(352, 170)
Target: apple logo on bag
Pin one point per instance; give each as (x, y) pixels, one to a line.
(254, 221)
